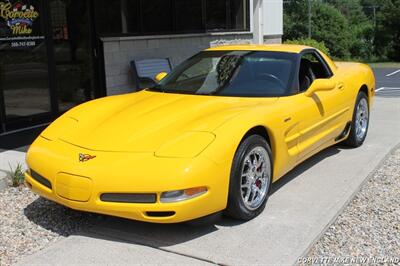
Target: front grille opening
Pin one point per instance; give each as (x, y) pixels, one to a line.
(45, 182)
(160, 214)
(129, 197)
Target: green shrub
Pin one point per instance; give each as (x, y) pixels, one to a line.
(360, 26)
(310, 42)
(388, 30)
(17, 175)
(328, 26)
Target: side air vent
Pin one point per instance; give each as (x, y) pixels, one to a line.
(45, 182)
(160, 214)
(129, 197)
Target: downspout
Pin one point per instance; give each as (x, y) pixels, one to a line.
(258, 22)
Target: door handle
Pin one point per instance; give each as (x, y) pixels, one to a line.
(340, 86)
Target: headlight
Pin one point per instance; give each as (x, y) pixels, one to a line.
(180, 195)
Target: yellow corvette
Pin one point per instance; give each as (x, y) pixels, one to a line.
(210, 136)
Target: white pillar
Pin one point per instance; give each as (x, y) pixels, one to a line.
(258, 22)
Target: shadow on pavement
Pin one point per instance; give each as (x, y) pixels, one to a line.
(59, 219)
(304, 166)
(64, 221)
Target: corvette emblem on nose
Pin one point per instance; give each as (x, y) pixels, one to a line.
(85, 157)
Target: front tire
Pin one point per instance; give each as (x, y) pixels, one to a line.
(250, 179)
(360, 122)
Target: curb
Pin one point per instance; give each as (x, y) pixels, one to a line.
(340, 211)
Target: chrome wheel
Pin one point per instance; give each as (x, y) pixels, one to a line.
(255, 177)
(362, 118)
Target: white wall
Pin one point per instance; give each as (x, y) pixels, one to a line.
(273, 17)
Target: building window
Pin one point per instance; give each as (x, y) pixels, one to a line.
(216, 15)
(108, 16)
(150, 17)
(188, 16)
(239, 14)
(156, 16)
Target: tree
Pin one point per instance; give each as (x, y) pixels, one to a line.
(360, 26)
(388, 30)
(328, 26)
(371, 7)
(295, 20)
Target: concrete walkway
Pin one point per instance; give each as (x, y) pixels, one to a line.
(302, 205)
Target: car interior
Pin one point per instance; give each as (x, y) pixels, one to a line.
(262, 77)
(306, 74)
(311, 68)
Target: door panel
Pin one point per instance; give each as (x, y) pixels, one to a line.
(323, 113)
(323, 118)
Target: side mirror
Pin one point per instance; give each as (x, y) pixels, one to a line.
(160, 76)
(320, 85)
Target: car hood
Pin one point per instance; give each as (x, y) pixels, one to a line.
(143, 121)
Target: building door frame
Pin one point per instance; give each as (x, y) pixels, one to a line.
(99, 75)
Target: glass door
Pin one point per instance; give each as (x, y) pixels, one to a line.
(73, 53)
(24, 76)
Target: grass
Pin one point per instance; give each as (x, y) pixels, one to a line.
(374, 62)
(385, 65)
(17, 175)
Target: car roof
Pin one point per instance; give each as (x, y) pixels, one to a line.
(288, 48)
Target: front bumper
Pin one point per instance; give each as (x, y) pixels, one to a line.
(79, 185)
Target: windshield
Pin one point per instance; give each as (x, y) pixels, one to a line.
(232, 73)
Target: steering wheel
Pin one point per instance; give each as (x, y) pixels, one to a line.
(269, 76)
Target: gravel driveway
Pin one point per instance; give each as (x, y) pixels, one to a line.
(369, 227)
(29, 223)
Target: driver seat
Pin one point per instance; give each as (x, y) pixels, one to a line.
(306, 74)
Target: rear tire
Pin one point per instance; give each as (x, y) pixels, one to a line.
(250, 179)
(360, 122)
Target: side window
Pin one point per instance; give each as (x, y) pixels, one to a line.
(311, 67)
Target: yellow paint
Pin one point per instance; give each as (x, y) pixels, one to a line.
(73, 187)
(160, 76)
(152, 142)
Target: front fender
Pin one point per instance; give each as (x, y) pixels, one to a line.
(230, 135)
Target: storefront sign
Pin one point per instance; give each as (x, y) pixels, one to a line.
(27, 41)
(17, 24)
(19, 17)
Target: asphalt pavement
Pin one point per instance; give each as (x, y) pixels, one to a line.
(387, 82)
(302, 205)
